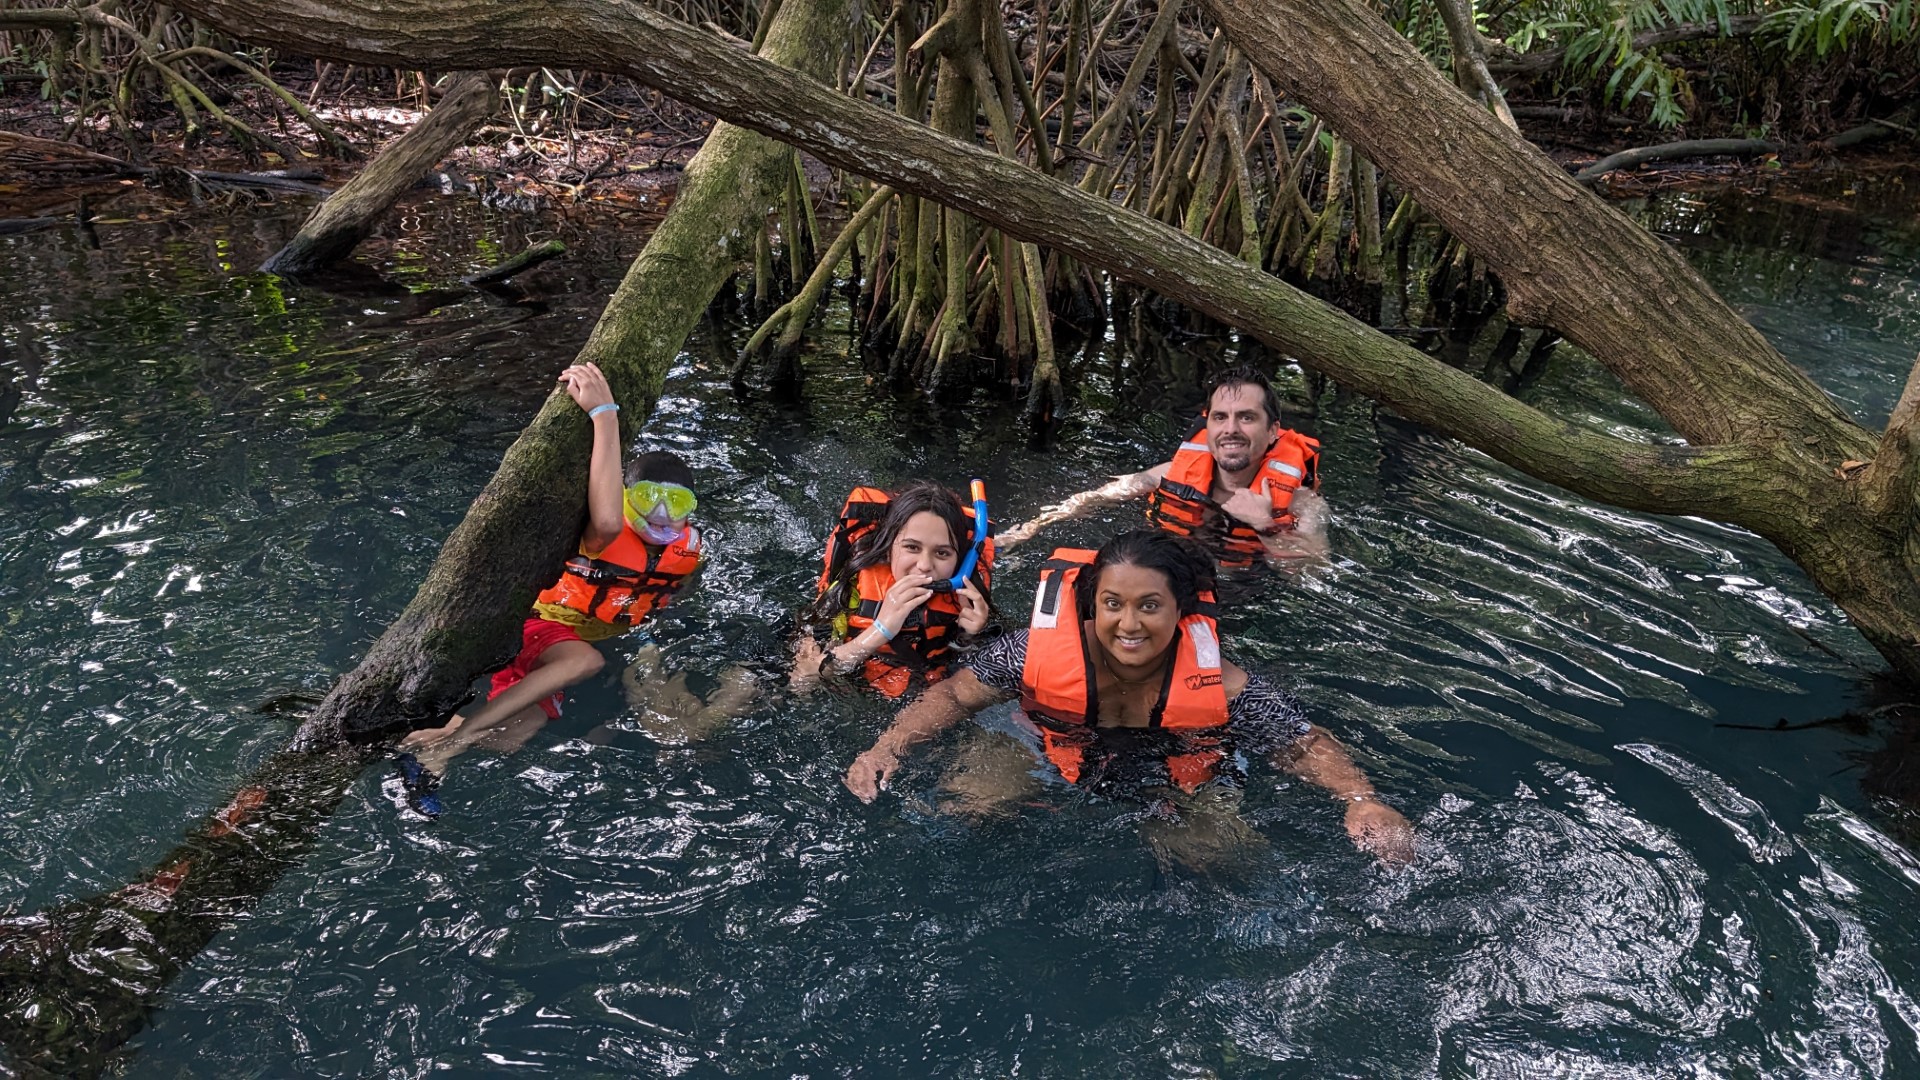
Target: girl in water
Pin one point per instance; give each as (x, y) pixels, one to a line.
(883, 596)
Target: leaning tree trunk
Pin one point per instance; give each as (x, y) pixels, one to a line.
(1580, 267)
(524, 524)
(77, 980)
(1771, 451)
(350, 214)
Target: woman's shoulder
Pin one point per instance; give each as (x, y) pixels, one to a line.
(1233, 678)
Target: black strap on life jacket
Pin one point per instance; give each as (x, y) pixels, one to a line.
(605, 577)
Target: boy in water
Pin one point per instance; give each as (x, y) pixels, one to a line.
(637, 550)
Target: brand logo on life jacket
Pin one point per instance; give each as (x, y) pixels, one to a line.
(1196, 682)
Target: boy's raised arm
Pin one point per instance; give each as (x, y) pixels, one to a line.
(606, 496)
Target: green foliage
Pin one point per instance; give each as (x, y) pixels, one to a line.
(1614, 40)
(1828, 25)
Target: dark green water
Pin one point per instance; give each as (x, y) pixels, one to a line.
(218, 489)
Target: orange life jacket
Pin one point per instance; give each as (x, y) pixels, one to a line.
(1057, 685)
(629, 579)
(922, 645)
(1183, 502)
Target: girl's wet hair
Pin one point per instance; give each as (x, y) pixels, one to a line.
(921, 496)
(1188, 568)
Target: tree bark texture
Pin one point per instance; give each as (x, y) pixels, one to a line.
(350, 214)
(1769, 439)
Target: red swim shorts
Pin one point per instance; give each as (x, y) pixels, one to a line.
(536, 637)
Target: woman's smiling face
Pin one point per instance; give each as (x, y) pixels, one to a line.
(1134, 615)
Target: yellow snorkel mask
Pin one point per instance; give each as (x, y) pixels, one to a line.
(659, 511)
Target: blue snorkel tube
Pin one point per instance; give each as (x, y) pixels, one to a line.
(959, 580)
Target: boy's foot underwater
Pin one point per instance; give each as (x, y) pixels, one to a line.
(420, 785)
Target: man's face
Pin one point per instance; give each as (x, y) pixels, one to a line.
(1239, 430)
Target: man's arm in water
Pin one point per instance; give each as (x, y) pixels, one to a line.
(1120, 489)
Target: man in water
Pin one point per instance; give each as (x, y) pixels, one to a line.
(1243, 483)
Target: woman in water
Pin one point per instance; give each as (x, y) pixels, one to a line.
(1121, 677)
(881, 598)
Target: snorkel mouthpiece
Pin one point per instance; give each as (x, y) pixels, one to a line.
(959, 580)
(661, 534)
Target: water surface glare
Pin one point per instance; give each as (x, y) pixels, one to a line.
(218, 488)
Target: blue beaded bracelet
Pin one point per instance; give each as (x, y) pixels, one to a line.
(598, 409)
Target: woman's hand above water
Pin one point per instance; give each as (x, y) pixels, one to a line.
(1380, 830)
(1319, 759)
(809, 656)
(973, 608)
(945, 704)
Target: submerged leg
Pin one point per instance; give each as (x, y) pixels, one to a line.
(991, 775)
(671, 713)
(1201, 833)
(518, 707)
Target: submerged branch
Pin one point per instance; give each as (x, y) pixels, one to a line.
(1675, 151)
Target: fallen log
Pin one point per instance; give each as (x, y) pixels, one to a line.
(15, 226)
(519, 264)
(1570, 114)
(1676, 151)
(351, 213)
(1873, 131)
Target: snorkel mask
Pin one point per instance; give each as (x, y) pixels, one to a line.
(959, 579)
(659, 511)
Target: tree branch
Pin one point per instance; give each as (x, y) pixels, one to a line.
(696, 68)
(1673, 151)
(1569, 261)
